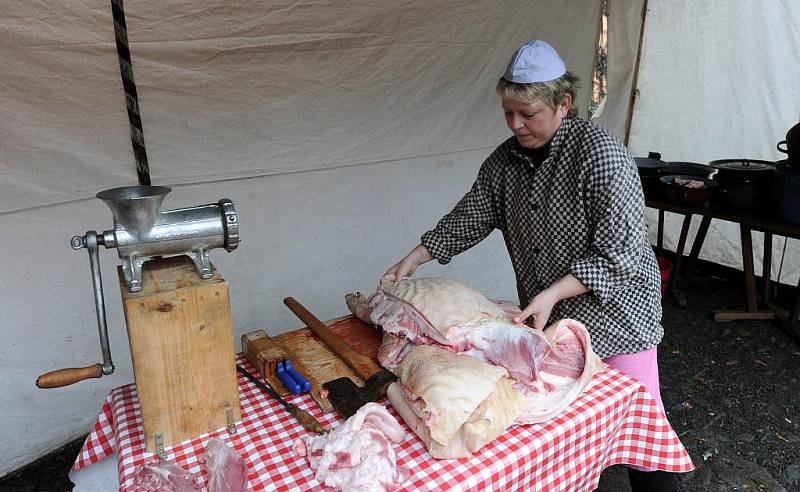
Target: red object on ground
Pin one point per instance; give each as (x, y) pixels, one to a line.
(665, 267)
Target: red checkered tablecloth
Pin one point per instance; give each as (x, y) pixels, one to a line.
(615, 421)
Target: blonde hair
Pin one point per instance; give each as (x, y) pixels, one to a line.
(551, 92)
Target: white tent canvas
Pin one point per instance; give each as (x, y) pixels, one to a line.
(342, 131)
(717, 80)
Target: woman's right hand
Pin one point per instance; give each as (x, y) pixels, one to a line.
(408, 265)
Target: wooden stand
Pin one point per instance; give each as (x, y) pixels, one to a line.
(181, 340)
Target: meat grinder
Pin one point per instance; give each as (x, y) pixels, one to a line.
(142, 231)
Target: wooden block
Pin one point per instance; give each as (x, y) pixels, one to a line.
(323, 364)
(181, 340)
(265, 353)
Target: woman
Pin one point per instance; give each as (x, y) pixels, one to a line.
(568, 200)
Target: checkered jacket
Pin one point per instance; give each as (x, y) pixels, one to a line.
(581, 212)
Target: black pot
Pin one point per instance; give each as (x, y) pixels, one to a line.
(675, 168)
(648, 168)
(791, 146)
(679, 193)
(787, 192)
(744, 183)
(651, 187)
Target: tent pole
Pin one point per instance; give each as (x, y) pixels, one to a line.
(596, 55)
(634, 89)
(131, 96)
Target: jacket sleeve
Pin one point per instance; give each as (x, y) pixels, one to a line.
(473, 218)
(615, 205)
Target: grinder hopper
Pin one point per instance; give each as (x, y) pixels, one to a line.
(135, 208)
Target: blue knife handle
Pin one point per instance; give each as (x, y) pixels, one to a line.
(287, 380)
(304, 384)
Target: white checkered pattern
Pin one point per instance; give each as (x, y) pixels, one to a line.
(580, 212)
(614, 421)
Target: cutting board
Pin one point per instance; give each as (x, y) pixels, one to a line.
(323, 364)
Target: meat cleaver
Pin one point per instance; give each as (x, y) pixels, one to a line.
(346, 396)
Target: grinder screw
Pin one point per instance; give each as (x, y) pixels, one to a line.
(78, 242)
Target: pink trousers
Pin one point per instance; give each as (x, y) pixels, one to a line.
(642, 366)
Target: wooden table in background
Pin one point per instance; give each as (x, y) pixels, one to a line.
(748, 222)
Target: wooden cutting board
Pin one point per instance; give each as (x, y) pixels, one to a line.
(323, 364)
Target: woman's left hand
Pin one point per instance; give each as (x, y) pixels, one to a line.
(540, 308)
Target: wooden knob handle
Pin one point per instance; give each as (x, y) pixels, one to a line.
(67, 376)
(306, 419)
(359, 363)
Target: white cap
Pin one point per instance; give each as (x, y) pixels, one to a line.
(535, 61)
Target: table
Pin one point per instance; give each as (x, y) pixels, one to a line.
(748, 221)
(615, 421)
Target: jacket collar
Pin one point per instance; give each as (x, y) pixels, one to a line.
(556, 143)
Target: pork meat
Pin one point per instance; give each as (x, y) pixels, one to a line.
(455, 317)
(466, 370)
(358, 454)
(454, 403)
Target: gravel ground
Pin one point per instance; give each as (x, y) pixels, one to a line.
(730, 389)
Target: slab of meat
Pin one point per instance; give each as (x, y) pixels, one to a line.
(358, 454)
(564, 373)
(455, 317)
(454, 403)
(392, 350)
(162, 476)
(227, 471)
(544, 371)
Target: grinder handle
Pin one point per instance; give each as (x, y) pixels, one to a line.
(359, 363)
(67, 376)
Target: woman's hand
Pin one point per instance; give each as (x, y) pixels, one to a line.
(542, 305)
(540, 308)
(408, 265)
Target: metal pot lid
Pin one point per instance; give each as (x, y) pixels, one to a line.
(748, 165)
(680, 167)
